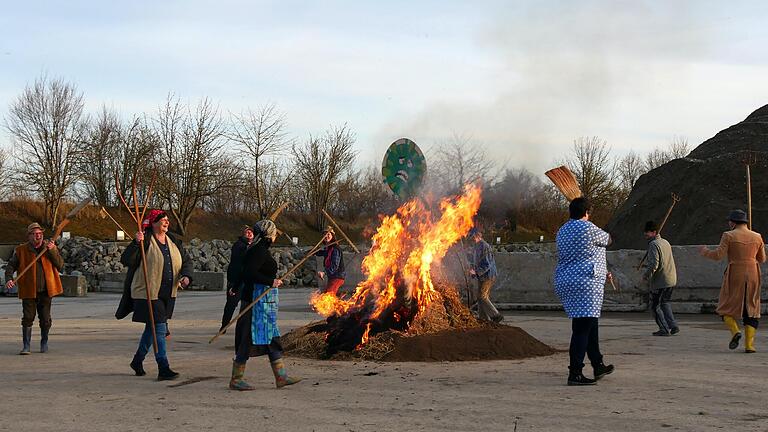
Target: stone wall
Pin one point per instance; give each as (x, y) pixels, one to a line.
(92, 259)
(526, 279)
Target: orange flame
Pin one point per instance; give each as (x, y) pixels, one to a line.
(398, 266)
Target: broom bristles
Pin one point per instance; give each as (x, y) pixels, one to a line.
(565, 182)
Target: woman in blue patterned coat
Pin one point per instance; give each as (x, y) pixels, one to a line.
(579, 280)
(256, 333)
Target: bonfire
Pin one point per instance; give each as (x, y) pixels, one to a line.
(403, 293)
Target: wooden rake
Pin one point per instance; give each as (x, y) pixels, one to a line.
(253, 303)
(57, 233)
(137, 214)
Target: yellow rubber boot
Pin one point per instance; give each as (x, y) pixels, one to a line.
(735, 331)
(749, 339)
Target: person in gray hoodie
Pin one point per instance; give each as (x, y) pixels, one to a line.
(661, 275)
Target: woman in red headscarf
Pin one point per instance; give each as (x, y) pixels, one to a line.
(168, 269)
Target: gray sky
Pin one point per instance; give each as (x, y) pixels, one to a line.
(524, 78)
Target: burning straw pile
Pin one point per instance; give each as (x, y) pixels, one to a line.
(399, 310)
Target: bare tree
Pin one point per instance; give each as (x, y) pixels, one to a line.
(458, 161)
(46, 123)
(364, 194)
(97, 162)
(190, 161)
(678, 147)
(320, 166)
(135, 156)
(5, 178)
(629, 169)
(261, 134)
(591, 162)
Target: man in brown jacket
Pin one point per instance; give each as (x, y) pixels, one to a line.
(38, 285)
(740, 292)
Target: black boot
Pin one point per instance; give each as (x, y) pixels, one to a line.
(576, 378)
(164, 373)
(137, 365)
(602, 370)
(44, 339)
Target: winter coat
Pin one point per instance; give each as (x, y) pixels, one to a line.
(235, 267)
(134, 297)
(741, 282)
(51, 263)
(333, 262)
(660, 271)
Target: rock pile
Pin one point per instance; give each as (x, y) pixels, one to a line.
(91, 258)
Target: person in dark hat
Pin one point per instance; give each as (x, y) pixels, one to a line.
(234, 274)
(333, 262)
(37, 286)
(740, 291)
(483, 268)
(661, 275)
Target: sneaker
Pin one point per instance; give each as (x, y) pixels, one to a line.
(580, 380)
(165, 374)
(661, 333)
(675, 330)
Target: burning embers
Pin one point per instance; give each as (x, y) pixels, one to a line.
(398, 285)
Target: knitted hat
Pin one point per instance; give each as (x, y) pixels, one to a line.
(650, 226)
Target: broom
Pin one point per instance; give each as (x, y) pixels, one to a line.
(565, 182)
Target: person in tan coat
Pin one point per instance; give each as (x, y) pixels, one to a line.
(740, 292)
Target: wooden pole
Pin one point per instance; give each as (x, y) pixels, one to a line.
(749, 198)
(56, 234)
(340, 230)
(116, 223)
(675, 199)
(247, 308)
(138, 217)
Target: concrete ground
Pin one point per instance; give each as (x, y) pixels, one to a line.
(688, 382)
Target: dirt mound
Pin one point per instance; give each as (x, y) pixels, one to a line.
(710, 181)
(502, 343)
(489, 342)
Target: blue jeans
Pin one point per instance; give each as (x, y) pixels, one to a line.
(145, 344)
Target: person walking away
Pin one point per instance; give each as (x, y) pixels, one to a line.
(740, 291)
(580, 278)
(661, 275)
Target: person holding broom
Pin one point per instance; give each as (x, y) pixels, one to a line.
(579, 283)
(740, 291)
(168, 269)
(256, 332)
(38, 286)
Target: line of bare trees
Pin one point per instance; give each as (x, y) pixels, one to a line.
(199, 157)
(249, 163)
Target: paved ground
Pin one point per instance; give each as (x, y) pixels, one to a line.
(687, 382)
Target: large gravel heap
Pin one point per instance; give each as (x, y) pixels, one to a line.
(710, 181)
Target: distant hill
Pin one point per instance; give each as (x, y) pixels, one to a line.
(710, 181)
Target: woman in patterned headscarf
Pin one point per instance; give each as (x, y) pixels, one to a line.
(256, 332)
(579, 280)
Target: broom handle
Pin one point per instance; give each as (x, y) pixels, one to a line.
(247, 308)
